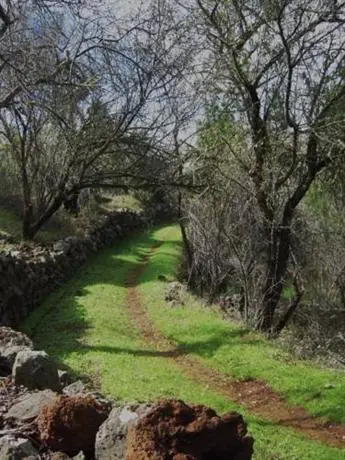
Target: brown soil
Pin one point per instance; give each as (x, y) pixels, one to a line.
(70, 423)
(172, 430)
(254, 395)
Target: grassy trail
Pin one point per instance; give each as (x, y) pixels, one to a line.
(85, 325)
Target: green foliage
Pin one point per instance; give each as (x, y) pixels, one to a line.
(326, 208)
(221, 152)
(10, 223)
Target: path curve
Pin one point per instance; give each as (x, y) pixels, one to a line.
(254, 395)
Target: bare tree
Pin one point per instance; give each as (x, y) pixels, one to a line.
(278, 67)
(23, 53)
(103, 117)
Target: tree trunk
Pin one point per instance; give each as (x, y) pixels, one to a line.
(27, 222)
(28, 212)
(288, 314)
(186, 245)
(185, 240)
(277, 265)
(71, 203)
(31, 228)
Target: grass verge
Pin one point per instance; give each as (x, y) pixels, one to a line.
(233, 350)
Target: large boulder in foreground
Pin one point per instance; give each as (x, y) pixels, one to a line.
(35, 370)
(70, 423)
(172, 430)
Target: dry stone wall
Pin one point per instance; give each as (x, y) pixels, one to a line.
(27, 274)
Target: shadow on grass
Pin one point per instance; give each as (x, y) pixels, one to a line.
(201, 348)
(207, 348)
(174, 352)
(60, 323)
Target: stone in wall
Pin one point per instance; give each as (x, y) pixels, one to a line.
(27, 273)
(35, 370)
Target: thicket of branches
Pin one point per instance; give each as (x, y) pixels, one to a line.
(236, 106)
(272, 140)
(85, 100)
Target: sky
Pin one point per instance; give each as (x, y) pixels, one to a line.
(122, 7)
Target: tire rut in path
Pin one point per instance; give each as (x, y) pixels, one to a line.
(255, 395)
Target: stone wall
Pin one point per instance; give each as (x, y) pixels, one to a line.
(27, 273)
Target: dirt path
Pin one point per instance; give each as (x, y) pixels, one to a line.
(255, 395)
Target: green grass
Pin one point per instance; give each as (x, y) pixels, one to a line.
(235, 351)
(85, 326)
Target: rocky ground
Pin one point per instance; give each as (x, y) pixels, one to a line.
(45, 416)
